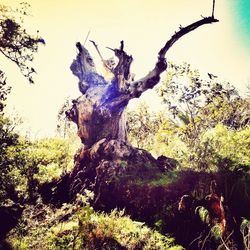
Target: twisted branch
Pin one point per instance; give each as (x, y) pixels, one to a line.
(184, 31)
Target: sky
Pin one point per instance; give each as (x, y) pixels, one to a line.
(222, 48)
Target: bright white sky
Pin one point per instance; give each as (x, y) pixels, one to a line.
(145, 26)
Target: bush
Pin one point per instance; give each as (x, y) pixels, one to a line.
(78, 226)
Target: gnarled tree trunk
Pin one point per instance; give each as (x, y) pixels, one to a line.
(106, 163)
(99, 111)
(118, 174)
(99, 115)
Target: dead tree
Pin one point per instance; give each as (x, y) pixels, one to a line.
(99, 111)
(100, 118)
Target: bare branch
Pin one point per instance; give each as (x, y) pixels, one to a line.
(153, 77)
(184, 31)
(110, 49)
(11, 58)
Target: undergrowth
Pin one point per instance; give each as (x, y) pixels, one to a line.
(78, 226)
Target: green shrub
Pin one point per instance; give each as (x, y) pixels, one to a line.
(78, 226)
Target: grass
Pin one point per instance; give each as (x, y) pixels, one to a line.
(159, 179)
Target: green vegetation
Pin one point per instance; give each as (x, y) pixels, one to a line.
(205, 126)
(16, 44)
(25, 165)
(211, 137)
(84, 229)
(205, 121)
(157, 180)
(29, 164)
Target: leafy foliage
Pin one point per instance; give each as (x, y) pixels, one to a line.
(8, 140)
(143, 124)
(4, 91)
(25, 165)
(15, 43)
(196, 110)
(230, 144)
(79, 227)
(201, 103)
(18, 46)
